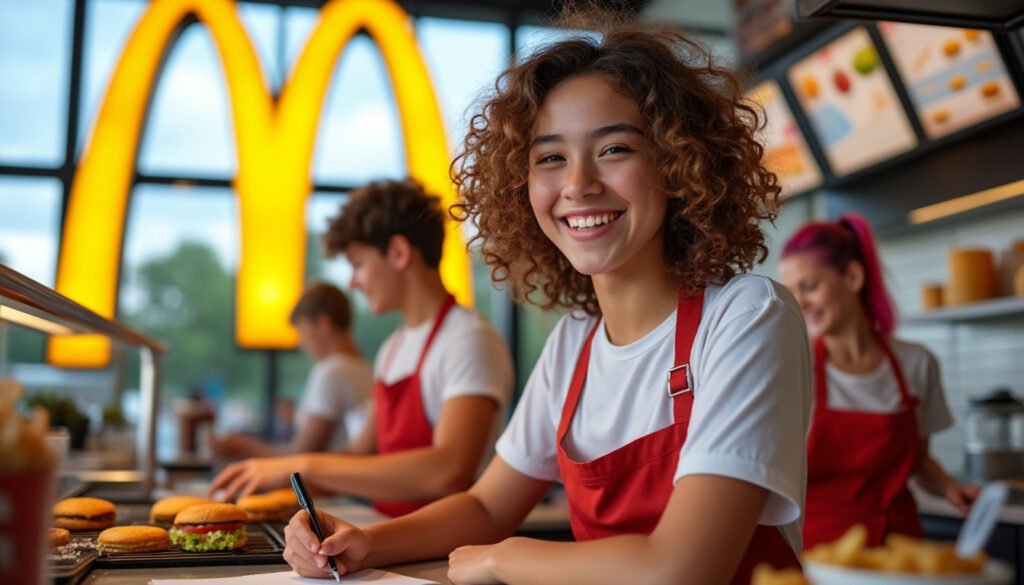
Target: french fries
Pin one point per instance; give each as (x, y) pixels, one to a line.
(766, 575)
(22, 441)
(901, 554)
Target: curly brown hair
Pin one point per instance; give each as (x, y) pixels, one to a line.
(703, 134)
(382, 209)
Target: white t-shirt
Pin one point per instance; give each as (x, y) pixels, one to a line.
(337, 389)
(468, 357)
(878, 391)
(751, 371)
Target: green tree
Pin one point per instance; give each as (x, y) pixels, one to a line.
(24, 346)
(187, 301)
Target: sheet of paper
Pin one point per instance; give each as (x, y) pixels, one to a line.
(374, 576)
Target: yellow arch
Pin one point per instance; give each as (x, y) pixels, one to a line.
(275, 144)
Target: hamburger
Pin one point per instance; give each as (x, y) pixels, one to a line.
(210, 527)
(59, 537)
(164, 510)
(261, 508)
(78, 514)
(288, 500)
(132, 539)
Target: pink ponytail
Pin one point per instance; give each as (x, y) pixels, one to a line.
(836, 244)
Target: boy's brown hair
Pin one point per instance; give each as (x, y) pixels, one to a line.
(382, 209)
(321, 298)
(703, 136)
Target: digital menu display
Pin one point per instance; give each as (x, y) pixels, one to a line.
(955, 77)
(785, 150)
(850, 101)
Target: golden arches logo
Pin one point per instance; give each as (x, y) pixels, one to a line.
(275, 143)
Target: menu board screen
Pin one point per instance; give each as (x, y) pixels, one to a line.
(955, 76)
(850, 101)
(785, 150)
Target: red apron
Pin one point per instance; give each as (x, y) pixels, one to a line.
(401, 422)
(858, 464)
(626, 491)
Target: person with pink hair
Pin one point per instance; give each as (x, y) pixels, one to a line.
(877, 399)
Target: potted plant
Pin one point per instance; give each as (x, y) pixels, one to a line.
(63, 413)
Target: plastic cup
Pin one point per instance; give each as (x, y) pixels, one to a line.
(26, 508)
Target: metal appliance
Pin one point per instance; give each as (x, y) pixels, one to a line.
(994, 437)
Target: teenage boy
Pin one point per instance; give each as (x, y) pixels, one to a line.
(339, 384)
(442, 381)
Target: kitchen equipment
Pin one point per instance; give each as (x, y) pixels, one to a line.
(1011, 262)
(977, 529)
(994, 437)
(932, 296)
(972, 276)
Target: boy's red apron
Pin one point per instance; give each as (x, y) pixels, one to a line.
(858, 464)
(401, 422)
(626, 490)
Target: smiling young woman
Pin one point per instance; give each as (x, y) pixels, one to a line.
(620, 179)
(877, 398)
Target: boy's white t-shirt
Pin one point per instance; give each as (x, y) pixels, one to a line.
(337, 389)
(468, 357)
(750, 364)
(878, 391)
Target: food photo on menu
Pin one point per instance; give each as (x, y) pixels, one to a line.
(785, 148)
(956, 77)
(851, 103)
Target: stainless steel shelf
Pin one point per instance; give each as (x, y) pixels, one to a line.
(41, 301)
(982, 311)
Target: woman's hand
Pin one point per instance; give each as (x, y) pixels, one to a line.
(473, 565)
(246, 477)
(962, 496)
(308, 556)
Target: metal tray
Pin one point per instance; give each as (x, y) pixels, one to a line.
(261, 549)
(66, 566)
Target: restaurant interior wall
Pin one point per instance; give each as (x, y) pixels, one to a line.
(976, 357)
(180, 253)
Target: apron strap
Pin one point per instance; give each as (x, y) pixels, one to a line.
(908, 400)
(680, 375)
(446, 306)
(385, 365)
(579, 376)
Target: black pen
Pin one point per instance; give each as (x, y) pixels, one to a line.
(307, 504)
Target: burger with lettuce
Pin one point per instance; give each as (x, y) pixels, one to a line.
(210, 527)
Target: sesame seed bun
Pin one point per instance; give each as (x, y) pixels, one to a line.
(133, 539)
(164, 510)
(215, 513)
(77, 514)
(59, 537)
(261, 508)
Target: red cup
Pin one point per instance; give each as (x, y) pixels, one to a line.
(26, 514)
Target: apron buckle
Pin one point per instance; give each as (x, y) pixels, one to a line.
(679, 380)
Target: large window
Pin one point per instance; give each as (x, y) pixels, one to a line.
(465, 59)
(180, 252)
(34, 65)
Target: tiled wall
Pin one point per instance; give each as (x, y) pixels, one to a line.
(975, 358)
(978, 357)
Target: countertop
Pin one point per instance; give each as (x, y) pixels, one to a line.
(431, 570)
(544, 518)
(1012, 513)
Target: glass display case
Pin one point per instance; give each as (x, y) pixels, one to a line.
(29, 304)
